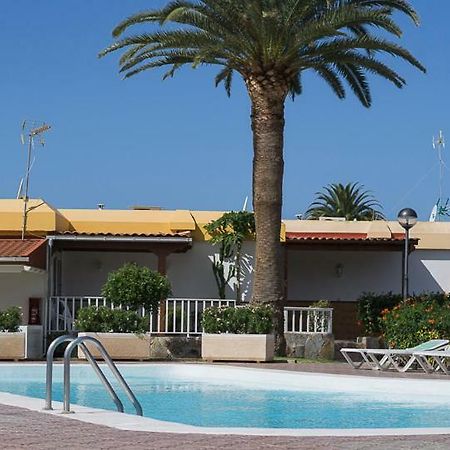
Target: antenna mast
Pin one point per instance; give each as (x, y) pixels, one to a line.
(32, 130)
(439, 145)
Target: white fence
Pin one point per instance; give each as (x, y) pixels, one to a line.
(183, 315)
(175, 316)
(308, 320)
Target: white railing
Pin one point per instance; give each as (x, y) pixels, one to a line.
(175, 315)
(308, 320)
(183, 315)
(62, 311)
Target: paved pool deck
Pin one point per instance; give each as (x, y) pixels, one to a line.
(22, 428)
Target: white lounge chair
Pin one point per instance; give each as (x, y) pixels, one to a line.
(434, 361)
(361, 352)
(383, 359)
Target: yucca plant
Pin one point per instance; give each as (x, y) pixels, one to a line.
(270, 44)
(351, 201)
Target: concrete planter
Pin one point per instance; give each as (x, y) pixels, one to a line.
(120, 345)
(238, 347)
(24, 344)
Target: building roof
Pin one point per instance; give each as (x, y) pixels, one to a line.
(430, 235)
(180, 234)
(376, 229)
(340, 238)
(18, 248)
(42, 218)
(108, 221)
(346, 241)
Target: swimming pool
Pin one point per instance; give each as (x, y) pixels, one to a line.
(224, 396)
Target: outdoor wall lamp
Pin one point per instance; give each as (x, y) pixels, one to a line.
(407, 218)
(339, 270)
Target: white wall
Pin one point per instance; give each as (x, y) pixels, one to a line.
(429, 271)
(84, 273)
(312, 274)
(190, 273)
(17, 288)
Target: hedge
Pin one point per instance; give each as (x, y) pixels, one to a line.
(239, 320)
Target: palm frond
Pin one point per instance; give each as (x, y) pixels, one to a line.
(350, 201)
(271, 42)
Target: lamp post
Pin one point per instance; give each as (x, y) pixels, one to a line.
(407, 218)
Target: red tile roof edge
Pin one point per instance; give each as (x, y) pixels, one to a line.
(344, 237)
(174, 234)
(19, 248)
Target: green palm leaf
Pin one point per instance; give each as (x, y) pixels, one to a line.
(350, 201)
(334, 38)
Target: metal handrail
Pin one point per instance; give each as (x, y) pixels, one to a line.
(79, 342)
(49, 369)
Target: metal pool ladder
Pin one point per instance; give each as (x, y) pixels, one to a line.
(80, 342)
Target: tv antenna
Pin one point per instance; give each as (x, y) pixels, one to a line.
(31, 131)
(441, 208)
(244, 206)
(439, 145)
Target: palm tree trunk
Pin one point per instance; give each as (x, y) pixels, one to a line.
(268, 128)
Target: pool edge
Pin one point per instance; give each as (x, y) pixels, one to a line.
(131, 422)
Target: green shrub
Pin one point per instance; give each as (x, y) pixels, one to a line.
(136, 286)
(321, 304)
(417, 320)
(370, 306)
(11, 319)
(320, 320)
(106, 320)
(240, 320)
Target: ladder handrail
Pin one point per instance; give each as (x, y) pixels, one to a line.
(49, 369)
(103, 379)
(80, 342)
(49, 372)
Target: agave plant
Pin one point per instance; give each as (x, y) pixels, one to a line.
(270, 44)
(350, 201)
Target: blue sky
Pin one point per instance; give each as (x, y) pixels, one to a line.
(181, 143)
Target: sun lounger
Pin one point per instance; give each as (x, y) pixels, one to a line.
(383, 359)
(434, 361)
(361, 352)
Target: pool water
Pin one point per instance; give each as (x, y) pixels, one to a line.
(217, 396)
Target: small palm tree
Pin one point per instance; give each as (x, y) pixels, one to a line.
(270, 44)
(350, 201)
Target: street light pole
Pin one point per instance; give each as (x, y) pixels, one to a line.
(407, 218)
(405, 285)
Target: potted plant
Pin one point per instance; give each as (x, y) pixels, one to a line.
(139, 291)
(244, 333)
(16, 341)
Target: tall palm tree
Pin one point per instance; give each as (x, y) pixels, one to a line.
(269, 43)
(350, 201)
